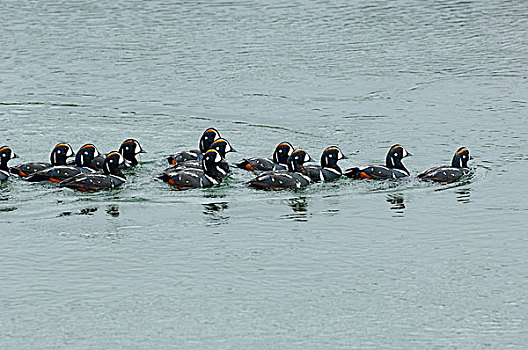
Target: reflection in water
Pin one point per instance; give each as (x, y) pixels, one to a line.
(84, 211)
(6, 209)
(299, 206)
(215, 213)
(463, 195)
(113, 210)
(88, 211)
(397, 204)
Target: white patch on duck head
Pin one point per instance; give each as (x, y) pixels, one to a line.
(138, 147)
(228, 147)
(69, 151)
(218, 158)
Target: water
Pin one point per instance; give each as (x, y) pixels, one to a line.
(351, 264)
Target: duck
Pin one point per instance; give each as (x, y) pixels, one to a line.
(328, 170)
(58, 173)
(221, 145)
(208, 137)
(6, 154)
(111, 177)
(129, 149)
(59, 155)
(293, 178)
(447, 174)
(278, 161)
(188, 178)
(393, 169)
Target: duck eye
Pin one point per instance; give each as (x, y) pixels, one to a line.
(3, 155)
(329, 156)
(280, 151)
(395, 154)
(111, 160)
(86, 152)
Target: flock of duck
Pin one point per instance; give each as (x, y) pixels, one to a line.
(207, 166)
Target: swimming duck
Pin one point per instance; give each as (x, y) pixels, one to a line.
(110, 178)
(279, 160)
(210, 175)
(328, 170)
(208, 137)
(221, 145)
(446, 174)
(129, 149)
(60, 153)
(292, 178)
(6, 154)
(393, 168)
(58, 173)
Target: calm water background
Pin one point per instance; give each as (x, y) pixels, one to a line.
(351, 264)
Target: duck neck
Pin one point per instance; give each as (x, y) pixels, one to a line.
(211, 170)
(330, 163)
(395, 163)
(458, 162)
(295, 167)
(57, 159)
(3, 164)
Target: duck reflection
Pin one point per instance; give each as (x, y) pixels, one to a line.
(113, 211)
(88, 211)
(215, 213)
(464, 195)
(397, 204)
(299, 206)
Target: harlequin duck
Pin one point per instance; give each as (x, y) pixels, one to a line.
(59, 173)
(393, 168)
(279, 160)
(60, 153)
(221, 145)
(6, 154)
(292, 178)
(129, 149)
(446, 174)
(110, 178)
(208, 137)
(210, 175)
(328, 170)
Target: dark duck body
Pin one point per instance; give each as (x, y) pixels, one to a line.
(210, 175)
(56, 174)
(6, 154)
(110, 178)
(293, 178)
(279, 160)
(393, 169)
(446, 174)
(59, 155)
(328, 170)
(208, 137)
(221, 145)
